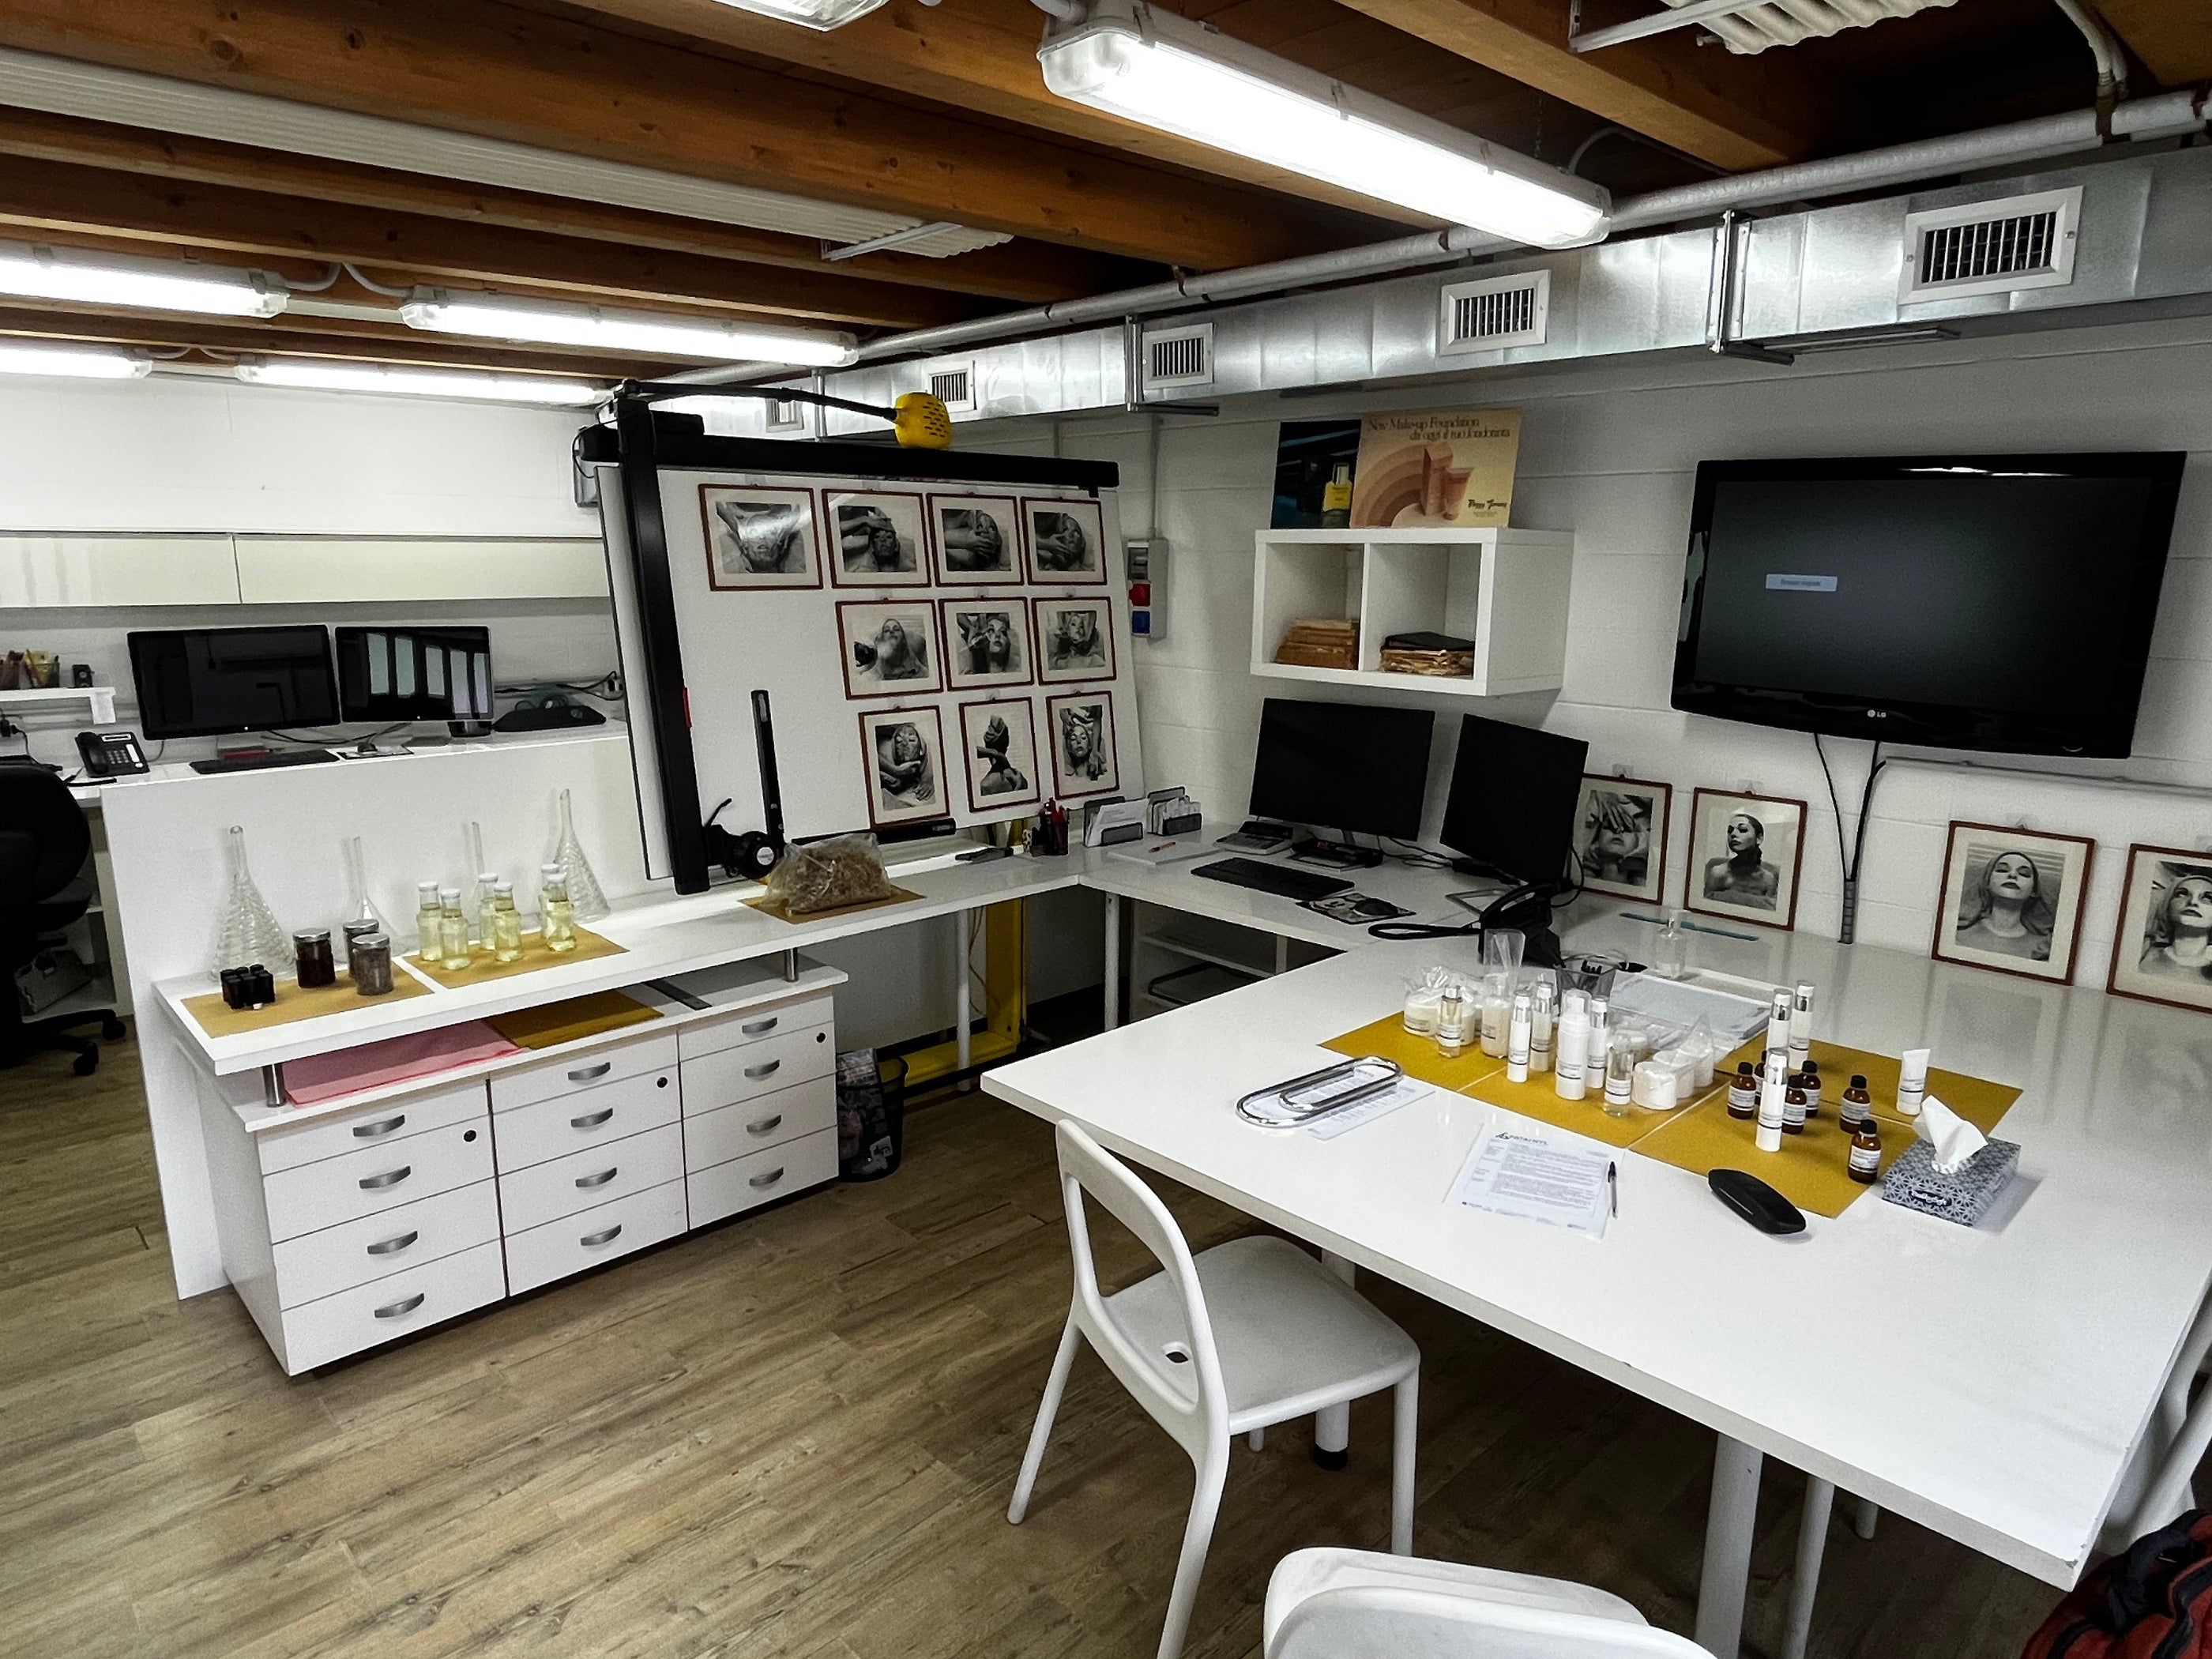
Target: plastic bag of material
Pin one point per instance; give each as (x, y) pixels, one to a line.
(829, 875)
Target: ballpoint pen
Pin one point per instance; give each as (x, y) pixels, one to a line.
(1612, 1188)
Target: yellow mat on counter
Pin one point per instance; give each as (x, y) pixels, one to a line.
(535, 958)
(1811, 1170)
(209, 1014)
(1976, 1099)
(571, 1020)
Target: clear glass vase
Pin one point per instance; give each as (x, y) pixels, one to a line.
(359, 907)
(585, 896)
(250, 932)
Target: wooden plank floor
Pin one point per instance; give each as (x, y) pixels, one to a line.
(794, 1434)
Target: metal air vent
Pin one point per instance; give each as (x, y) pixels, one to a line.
(1494, 313)
(1991, 247)
(1179, 357)
(786, 415)
(953, 385)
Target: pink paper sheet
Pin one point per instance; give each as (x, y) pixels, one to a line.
(319, 1078)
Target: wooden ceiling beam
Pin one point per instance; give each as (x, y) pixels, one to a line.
(1022, 272)
(2173, 38)
(37, 197)
(1736, 113)
(481, 67)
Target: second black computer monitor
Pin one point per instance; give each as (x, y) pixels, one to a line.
(1514, 788)
(1350, 766)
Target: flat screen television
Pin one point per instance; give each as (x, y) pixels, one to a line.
(1988, 602)
(210, 682)
(1353, 767)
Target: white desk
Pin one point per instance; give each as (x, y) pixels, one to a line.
(1990, 1384)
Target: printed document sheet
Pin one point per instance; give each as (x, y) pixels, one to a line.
(1522, 1172)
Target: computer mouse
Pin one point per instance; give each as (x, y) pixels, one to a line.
(1756, 1202)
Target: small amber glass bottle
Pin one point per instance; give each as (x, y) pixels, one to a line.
(1865, 1165)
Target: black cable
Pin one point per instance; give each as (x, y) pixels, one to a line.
(600, 687)
(1855, 859)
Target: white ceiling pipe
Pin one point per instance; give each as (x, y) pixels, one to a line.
(2167, 115)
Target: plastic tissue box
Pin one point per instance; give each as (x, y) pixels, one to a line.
(1964, 1196)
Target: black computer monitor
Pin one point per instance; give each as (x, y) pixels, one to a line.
(1513, 792)
(1343, 766)
(205, 682)
(405, 673)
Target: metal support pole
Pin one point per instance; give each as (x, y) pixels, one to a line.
(1805, 1582)
(1729, 1520)
(790, 966)
(1865, 1513)
(1113, 960)
(961, 968)
(1331, 1442)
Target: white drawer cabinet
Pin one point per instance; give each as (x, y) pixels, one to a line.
(319, 1332)
(538, 1255)
(545, 1192)
(334, 1259)
(762, 1177)
(547, 1129)
(376, 1177)
(712, 1036)
(795, 1055)
(752, 1125)
(287, 1149)
(572, 1075)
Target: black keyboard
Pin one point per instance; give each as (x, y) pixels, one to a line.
(263, 763)
(1272, 879)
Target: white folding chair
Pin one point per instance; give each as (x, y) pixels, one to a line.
(1247, 1334)
(1353, 1604)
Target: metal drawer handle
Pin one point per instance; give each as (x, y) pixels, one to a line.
(394, 1246)
(764, 1125)
(606, 1237)
(591, 1120)
(588, 1072)
(760, 1025)
(395, 1310)
(377, 1131)
(389, 1178)
(767, 1179)
(599, 1179)
(768, 1070)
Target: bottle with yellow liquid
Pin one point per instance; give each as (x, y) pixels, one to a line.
(1336, 499)
(429, 923)
(506, 928)
(554, 913)
(453, 931)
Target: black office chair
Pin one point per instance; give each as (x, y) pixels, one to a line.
(43, 840)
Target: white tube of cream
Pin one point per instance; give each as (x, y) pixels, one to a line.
(1913, 1082)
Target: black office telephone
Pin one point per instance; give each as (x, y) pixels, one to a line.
(111, 753)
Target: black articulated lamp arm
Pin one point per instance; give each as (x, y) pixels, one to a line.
(917, 419)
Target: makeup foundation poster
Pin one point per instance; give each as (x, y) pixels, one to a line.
(1453, 469)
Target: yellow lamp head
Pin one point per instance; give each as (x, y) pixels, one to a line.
(922, 422)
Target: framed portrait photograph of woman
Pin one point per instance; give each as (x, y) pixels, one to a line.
(2162, 948)
(880, 538)
(2012, 900)
(1074, 639)
(1067, 540)
(1621, 837)
(890, 647)
(1079, 727)
(979, 539)
(759, 538)
(1746, 851)
(903, 750)
(986, 643)
(1000, 742)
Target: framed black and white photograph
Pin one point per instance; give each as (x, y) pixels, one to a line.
(2012, 900)
(998, 740)
(1621, 837)
(1746, 851)
(759, 538)
(1074, 639)
(1067, 540)
(881, 538)
(890, 647)
(903, 750)
(1079, 727)
(979, 539)
(986, 643)
(2162, 947)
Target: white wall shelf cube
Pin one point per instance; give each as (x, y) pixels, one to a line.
(1506, 590)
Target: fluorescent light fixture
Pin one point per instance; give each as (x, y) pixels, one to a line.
(76, 363)
(809, 14)
(652, 334)
(1164, 71)
(108, 279)
(416, 382)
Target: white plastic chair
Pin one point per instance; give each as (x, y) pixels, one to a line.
(1353, 1604)
(1250, 1333)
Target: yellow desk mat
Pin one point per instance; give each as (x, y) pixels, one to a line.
(568, 1021)
(1976, 1099)
(590, 946)
(292, 1004)
(1810, 1171)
